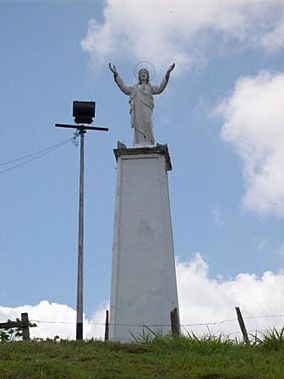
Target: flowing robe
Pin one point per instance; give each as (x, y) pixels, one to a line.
(141, 108)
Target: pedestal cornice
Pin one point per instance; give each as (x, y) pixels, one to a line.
(159, 149)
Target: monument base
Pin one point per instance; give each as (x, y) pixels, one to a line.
(143, 288)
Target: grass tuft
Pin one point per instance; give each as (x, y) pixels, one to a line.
(273, 339)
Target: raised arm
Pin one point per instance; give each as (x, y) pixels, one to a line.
(158, 89)
(124, 88)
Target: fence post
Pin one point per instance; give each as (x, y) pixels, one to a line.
(175, 323)
(107, 326)
(25, 326)
(242, 326)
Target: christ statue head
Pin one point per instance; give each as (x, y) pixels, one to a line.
(143, 76)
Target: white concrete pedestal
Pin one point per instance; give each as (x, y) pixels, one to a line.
(143, 287)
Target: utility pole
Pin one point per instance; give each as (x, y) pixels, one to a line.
(80, 277)
(83, 113)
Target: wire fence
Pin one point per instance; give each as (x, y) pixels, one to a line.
(225, 329)
(189, 325)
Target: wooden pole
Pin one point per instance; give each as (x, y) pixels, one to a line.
(175, 323)
(79, 325)
(107, 326)
(25, 326)
(242, 326)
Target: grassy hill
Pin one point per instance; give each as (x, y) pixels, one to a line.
(167, 358)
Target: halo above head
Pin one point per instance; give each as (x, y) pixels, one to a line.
(148, 66)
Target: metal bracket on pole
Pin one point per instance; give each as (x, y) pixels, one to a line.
(80, 127)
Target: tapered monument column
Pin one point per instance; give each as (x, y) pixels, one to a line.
(143, 288)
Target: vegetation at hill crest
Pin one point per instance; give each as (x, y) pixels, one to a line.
(166, 358)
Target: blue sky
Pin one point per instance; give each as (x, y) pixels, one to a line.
(220, 115)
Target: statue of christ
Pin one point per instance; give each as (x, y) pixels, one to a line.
(142, 103)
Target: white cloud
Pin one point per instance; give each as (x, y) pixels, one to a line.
(54, 319)
(205, 300)
(254, 123)
(162, 31)
(202, 300)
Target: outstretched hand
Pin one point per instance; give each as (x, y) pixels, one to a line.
(172, 66)
(112, 68)
(169, 70)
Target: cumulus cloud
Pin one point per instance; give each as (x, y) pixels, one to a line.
(54, 319)
(206, 301)
(162, 31)
(253, 122)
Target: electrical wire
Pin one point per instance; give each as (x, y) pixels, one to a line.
(33, 156)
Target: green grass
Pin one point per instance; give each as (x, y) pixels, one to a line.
(167, 358)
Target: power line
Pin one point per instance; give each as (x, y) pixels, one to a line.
(33, 153)
(33, 156)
